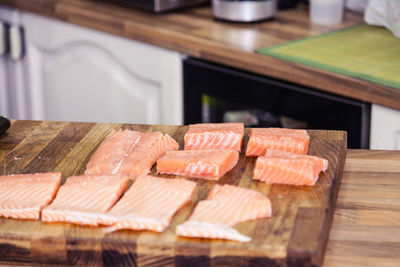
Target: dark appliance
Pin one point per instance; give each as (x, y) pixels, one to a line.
(215, 93)
(163, 5)
(4, 124)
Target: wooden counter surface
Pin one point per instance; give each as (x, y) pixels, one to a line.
(366, 226)
(365, 230)
(194, 32)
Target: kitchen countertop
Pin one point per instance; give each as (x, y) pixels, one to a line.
(365, 230)
(194, 32)
(366, 225)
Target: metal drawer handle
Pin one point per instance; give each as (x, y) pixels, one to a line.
(17, 48)
(3, 39)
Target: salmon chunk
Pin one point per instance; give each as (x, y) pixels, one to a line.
(150, 148)
(107, 159)
(279, 167)
(129, 153)
(150, 204)
(208, 164)
(214, 136)
(263, 139)
(225, 207)
(85, 199)
(23, 196)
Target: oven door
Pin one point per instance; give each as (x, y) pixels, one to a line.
(214, 93)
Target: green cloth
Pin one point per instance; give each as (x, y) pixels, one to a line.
(367, 52)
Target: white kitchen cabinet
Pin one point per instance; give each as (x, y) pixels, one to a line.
(79, 74)
(385, 128)
(4, 108)
(12, 80)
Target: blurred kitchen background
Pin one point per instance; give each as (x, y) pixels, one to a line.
(85, 67)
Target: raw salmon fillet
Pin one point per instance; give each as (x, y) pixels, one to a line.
(112, 151)
(150, 148)
(214, 136)
(23, 196)
(208, 164)
(263, 139)
(129, 153)
(85, 199)
(279, 167)
(150, 204)
(225, 206)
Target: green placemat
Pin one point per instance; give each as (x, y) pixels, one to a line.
(367, 52)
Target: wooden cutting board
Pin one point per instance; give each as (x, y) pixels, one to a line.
(295, 235)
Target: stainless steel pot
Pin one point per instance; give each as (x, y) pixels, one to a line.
(244, 10)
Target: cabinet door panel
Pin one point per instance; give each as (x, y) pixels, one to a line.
(78, 74)
(91, 85)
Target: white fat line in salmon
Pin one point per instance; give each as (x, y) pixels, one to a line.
(15, 212)
(214, 140)
(195, 167)
(134, 222)
(76, 217)
(116, 169)
(210, 230)
(324, 168)
(232, 140)
(198, 168)
(19, 192)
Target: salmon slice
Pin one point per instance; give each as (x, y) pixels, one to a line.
(224, 207)
(150, 204)
(107, 159)
(129, 153)
(279, 167)
(23, 196)
(208, 164)
(204, 136)
(263, 139)
(85, 199)
(151, 147)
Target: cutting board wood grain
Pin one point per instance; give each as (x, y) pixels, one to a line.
(295, 235)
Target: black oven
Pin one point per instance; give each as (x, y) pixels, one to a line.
(215, 93)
